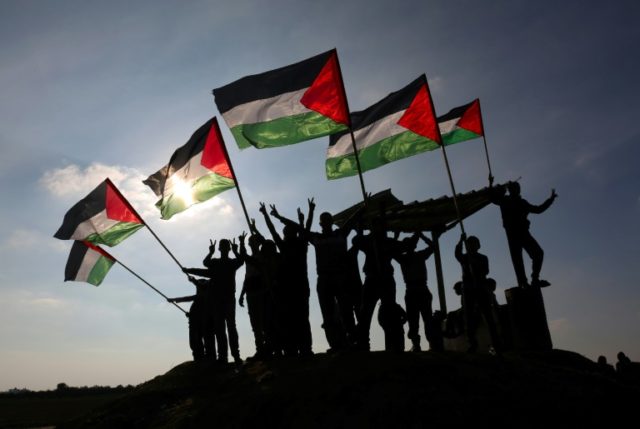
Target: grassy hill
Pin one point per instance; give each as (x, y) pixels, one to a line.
(377, 390)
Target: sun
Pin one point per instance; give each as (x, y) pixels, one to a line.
(183, 191)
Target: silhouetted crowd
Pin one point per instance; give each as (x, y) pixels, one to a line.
(276, 284)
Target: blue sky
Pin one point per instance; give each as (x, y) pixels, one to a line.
(96, 89)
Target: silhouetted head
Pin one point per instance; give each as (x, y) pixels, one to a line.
(254, 243)
(269, 247)
(491, 284)
(473, 244)
(224, 246)
(290, 232)
(409, 244)
(513, 188)
(602, 360)
(326, 221)
(621, 356)
(457, 288)
(378, 226)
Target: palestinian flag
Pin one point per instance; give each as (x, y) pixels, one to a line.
(87, 263)
(461, 123)
(400, 125)
(102, 217)
(196, 172)
(289, 105)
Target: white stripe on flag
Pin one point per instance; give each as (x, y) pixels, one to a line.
(368, 136)
(98, 223)
(267, 109)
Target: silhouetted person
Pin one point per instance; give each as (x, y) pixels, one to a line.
(354, 281)
(379, 284)
(623, 365)
(255, 290)
(476, 297)
(201, 320)
(418, 299)
(392, 317)
(293, 291)
(604, 367)
(514, 210)
(223, 271)
(331, 266)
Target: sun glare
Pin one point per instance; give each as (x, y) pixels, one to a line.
(182, 190)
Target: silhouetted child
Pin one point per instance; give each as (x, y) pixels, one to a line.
(254, 289)
(331, 265)
(604, 367)
(477, 299)
(379, 282)
(417, 297)
(293, 292)
(392, 318)
(223, 271)
(201, 320)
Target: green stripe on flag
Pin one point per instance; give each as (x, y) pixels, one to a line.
(202, 189)
(458, 135)
(100, 270)
(115, 234)
(285, 131)
(393, 148)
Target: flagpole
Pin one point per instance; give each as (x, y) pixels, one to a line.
(233, 173)
(444, 154)
(486, 150)
(150, 285)
(353, 138)
(145, 224)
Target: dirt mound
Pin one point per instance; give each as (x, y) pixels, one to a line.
(376, 390)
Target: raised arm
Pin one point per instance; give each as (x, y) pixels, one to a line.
(352, 221)
(212, 249)
(427, 251)
(284, 220)
(272, 229)
(458, 252)
(544, 206)
(312, 208)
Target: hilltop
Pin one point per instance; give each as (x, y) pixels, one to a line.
(376, 390)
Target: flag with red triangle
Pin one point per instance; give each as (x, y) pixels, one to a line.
(288, 105)
(87, 263)
(461, 123)
(102, 217)
(197, 171)
(400, 125)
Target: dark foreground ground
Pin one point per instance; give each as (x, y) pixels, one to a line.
(35, 411)
(378, 390)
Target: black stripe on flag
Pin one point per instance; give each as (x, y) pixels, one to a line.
(85, 209)
(180, 158)
(454, 113)
(270, 84)
(76, 256)
(392, 103)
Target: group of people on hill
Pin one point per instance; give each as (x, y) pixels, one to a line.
(276, 285)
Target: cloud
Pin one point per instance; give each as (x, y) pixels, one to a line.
(27, 239)
(72, 183)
